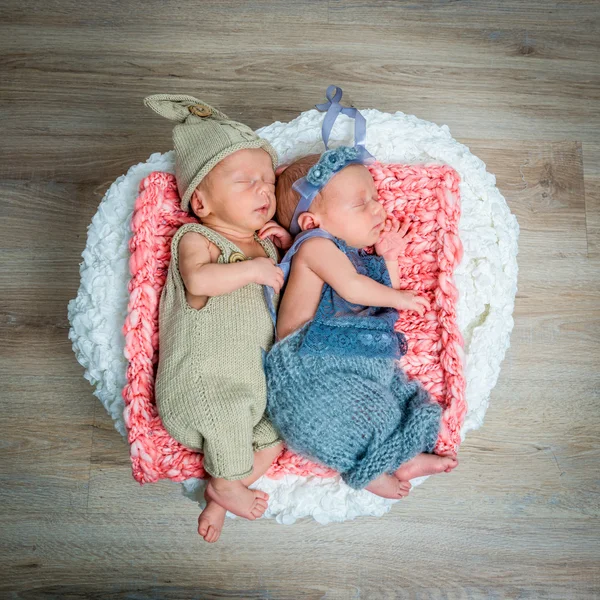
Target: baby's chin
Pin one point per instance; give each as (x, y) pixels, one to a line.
(363, 242)
(260, 219)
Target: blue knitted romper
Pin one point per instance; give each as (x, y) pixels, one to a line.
(336, 393)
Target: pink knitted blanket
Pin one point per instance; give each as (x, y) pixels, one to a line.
(427, 195)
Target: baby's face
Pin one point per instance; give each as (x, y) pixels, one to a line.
(240, 190)
(349, 208)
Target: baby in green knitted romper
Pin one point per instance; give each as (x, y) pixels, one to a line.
(213, 318)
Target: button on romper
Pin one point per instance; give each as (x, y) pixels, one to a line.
(210, 387)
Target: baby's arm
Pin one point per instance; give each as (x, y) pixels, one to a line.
(392, 267)
(328, 262)
(204, 278)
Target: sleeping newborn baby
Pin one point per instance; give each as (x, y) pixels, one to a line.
(213, 319)
(336, 392)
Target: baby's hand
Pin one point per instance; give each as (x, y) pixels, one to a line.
(393, 240)
(279, 236)
(411, 301)
(266, 273)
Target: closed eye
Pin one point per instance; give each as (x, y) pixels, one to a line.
(253, 181)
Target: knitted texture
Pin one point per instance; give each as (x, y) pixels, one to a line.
(351, 329)
(428, 195)
(335, 402)
(202, 138)
(210, 386)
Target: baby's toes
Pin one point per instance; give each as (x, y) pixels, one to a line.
(216, 534)
(260, 494)
(257, 511)
(401, 490)
(209, 533)
(260, 502)
(451, 464)
(203, 527)
(449, 454)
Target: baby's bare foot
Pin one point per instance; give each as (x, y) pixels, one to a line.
(388, 486)
(237, 498)
(426, 464)
(211, 520)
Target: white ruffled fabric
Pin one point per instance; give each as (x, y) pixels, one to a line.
(486, 279)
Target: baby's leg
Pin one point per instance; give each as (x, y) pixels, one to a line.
(426, 464)
(212, 517)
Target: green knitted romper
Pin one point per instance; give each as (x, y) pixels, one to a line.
(210, 387)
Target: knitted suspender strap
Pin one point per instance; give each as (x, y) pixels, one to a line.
(269, 247)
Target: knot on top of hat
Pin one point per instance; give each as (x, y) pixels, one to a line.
(180, 107)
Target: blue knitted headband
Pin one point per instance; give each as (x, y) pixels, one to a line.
(334, 160)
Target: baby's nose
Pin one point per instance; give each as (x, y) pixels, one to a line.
(267, 194)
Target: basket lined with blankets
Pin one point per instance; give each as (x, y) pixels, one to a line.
(466, 259)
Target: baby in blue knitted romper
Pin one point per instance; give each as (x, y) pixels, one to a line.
(336, 392)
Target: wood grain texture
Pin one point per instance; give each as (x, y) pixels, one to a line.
(517, 82)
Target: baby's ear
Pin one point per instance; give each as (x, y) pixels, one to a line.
(307, 220)
(198, 203)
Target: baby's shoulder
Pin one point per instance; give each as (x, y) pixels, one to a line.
(195, 247)
(316, 248)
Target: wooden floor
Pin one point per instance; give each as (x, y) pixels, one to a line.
(518, 82)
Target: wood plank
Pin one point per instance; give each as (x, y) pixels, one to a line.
(531, 15)
(591, 161)
(161, 557)
(46, 444)
(38, 350)
(38, 296)
(46, 215)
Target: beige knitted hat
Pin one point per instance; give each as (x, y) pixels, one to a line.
(203, 137)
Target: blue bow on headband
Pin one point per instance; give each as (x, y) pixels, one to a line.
(331, 161)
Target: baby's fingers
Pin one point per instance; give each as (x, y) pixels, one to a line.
(391, 224)
(271, 228)
(267, 225)
(278, 281)
(267, 230)
(422, 300)
(396, 225)
(276, 284)
(404, 228)
(418, 308)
